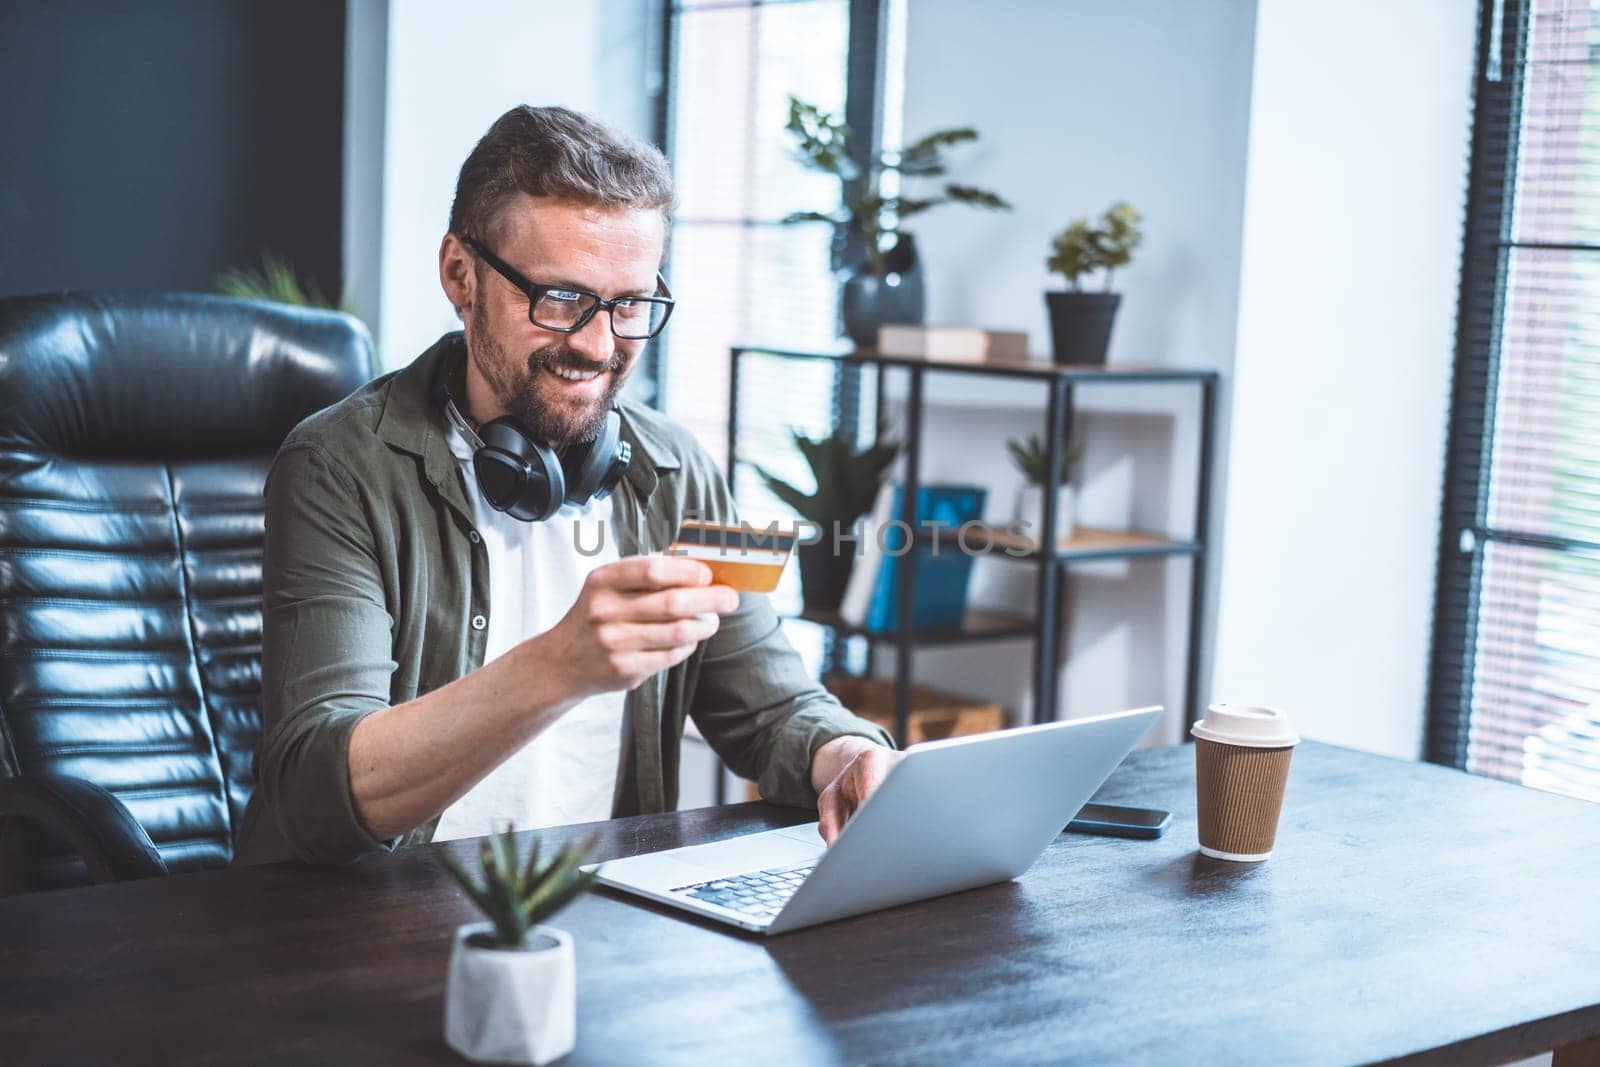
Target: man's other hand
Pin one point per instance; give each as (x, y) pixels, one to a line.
(635, 617)
(844, 772)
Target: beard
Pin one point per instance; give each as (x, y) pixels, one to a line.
(532, 397)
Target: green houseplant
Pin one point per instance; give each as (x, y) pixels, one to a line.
(884, 278)
(1081, 321)
(1032, 460)
(511, 996)
(846, 480)
(275, 281)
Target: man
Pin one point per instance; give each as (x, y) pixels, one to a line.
(434, 667)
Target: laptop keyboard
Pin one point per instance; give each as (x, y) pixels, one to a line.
(759, 894)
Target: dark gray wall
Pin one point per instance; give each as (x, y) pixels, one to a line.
(155, 144)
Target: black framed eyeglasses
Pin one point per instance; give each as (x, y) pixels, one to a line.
(564, 309)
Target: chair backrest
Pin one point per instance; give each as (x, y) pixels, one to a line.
(136, 430)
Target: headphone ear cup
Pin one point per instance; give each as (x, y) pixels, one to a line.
(518, 475)
(588, 464)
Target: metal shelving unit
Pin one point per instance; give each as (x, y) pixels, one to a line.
(1060, 383)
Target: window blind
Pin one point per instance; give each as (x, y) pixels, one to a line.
(740, 277)
(1515, 682)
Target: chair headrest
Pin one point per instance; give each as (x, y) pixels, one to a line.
(131, 375)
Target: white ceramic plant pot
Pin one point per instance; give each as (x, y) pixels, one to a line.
(1030, 509)
(512, 1005)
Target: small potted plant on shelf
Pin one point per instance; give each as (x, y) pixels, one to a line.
(1080, 322)
(511, 995)
(1032, 459)
(884, 278)
(847, 480)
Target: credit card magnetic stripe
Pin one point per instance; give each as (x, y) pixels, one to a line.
(717, 554)
(734, 539)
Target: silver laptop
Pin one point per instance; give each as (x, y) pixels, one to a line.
(951, 815)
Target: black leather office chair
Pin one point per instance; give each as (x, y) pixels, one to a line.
(136, 430)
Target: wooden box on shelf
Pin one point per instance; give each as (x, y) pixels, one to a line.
(935, 714)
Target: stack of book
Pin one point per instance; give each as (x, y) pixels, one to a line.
(871, 599)
(961, 344)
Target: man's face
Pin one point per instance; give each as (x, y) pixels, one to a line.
(558, 385)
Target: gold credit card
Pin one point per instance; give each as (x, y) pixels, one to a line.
(749, 559)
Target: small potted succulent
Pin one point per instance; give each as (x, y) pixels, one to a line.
(512, 995)
(883, 280)
(1033, 461)
(847, 480)
(1080, 322)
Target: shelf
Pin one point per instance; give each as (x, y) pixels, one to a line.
(1024, 367)
(977, 626)
(1041, 627)
(1091, 542)
(1086, 542)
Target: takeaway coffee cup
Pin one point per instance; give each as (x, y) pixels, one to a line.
(1241, 762)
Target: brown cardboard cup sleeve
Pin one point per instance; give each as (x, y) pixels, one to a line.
(1242, 755)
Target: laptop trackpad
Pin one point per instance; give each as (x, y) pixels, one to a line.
(807, 833)
(754, 852)
(736, 855)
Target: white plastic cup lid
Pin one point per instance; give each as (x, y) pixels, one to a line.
(1249, 725)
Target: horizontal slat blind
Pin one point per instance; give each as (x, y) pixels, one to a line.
(738, 275)
(1538, 669)
(1516, 683)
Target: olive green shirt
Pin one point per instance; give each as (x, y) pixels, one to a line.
(377, 590)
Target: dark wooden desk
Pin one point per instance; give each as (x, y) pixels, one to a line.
(1411, 913)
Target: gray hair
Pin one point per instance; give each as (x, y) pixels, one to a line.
(557, 152)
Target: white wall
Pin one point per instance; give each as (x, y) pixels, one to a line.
(365, 89)
(452, 69)
(1078, 105)
(1301, 166)
(1359, 133)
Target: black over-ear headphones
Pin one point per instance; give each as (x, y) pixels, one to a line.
(528, 479)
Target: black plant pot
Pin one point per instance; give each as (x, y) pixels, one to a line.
(869, 300)
(823, 574)
(1080, 326)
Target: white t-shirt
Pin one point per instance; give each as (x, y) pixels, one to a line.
(568, 773)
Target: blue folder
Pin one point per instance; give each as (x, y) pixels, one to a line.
(940, 596)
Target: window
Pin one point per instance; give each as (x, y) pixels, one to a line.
(1515, 678)
(741, 277)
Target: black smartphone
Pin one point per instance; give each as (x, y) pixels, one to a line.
(1114, 820)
